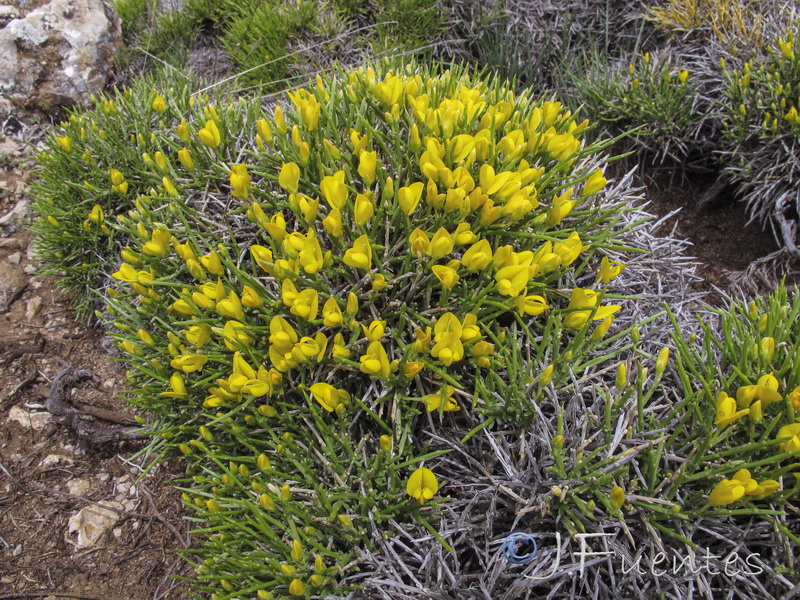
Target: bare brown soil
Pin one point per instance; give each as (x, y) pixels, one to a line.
(723, 240)
(47, 475)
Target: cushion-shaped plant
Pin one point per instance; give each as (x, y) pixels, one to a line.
(298, 295)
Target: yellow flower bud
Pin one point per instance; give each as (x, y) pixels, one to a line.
(617, 497)
(621, 381)
(662, 360)
(159, 104)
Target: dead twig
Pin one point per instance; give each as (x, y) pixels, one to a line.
(78, 419)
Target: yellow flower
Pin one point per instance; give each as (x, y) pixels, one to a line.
(683, 76)
(570, 249)
(289, 177)
(470, 331)
(297, 588)
(212, 263)
(352, 305)
(159, 244)
(159, 104)
(422, 485)
(512, 280)
(364, 209)
(240, 181)
(96, 214)
(765, 390)
(434, 401)
(118, 183)
(132, 348)
(726, 492)
(231, 307)
(338, 347)
(334, 190)
(264, 130)
(793, 433)
(280, 121)
(375, 330)
(310, 256)
(178, 387)
(531, 305)
(751, 486)
(378, 282)
(186, 159)
(309, 109)
(447, 276)
(767, 347)
(169, 187)
(331, 313)
(251, 298)
(189, 363)
(794, 398)
(333, 223)
(301, 303)
(375, 361)
(478, 256)
(275, 225)
(447, 334)
(726, 410)
(419, 242)
(411, 368)
(282, 334)
(786, 49)
(390, 91)
(609, 270)
(198, 335)
(441, 244)
(463, 234)
(161, 161)
(210, 135)
(262, 256)
(332, 150)
(586, 298)
(367, 163)
(594, 183)
(422, 340)
(235, 335)
(360, 255)
(183, 131)
(562, 206)
(617, 497)
(408, 197)
(65, 143)
(328, 396)
(756, 412)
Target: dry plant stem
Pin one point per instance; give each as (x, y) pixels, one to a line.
(76, 420)
(788, 229)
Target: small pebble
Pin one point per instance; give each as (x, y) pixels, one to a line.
(15, 258)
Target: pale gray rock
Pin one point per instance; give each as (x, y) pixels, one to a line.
(57, 55)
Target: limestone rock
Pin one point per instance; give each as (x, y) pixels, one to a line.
(12, 282)
(58, 54)
(33, 420)
(91, 523)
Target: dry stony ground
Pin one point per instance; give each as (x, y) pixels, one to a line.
(82, 521)
(77, 520)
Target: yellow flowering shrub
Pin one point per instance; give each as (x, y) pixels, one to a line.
(301, 287)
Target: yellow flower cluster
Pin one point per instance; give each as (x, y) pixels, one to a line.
(751, 400)
(741, 484)
(382, 247)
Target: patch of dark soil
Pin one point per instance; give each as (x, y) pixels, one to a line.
(723, 240)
